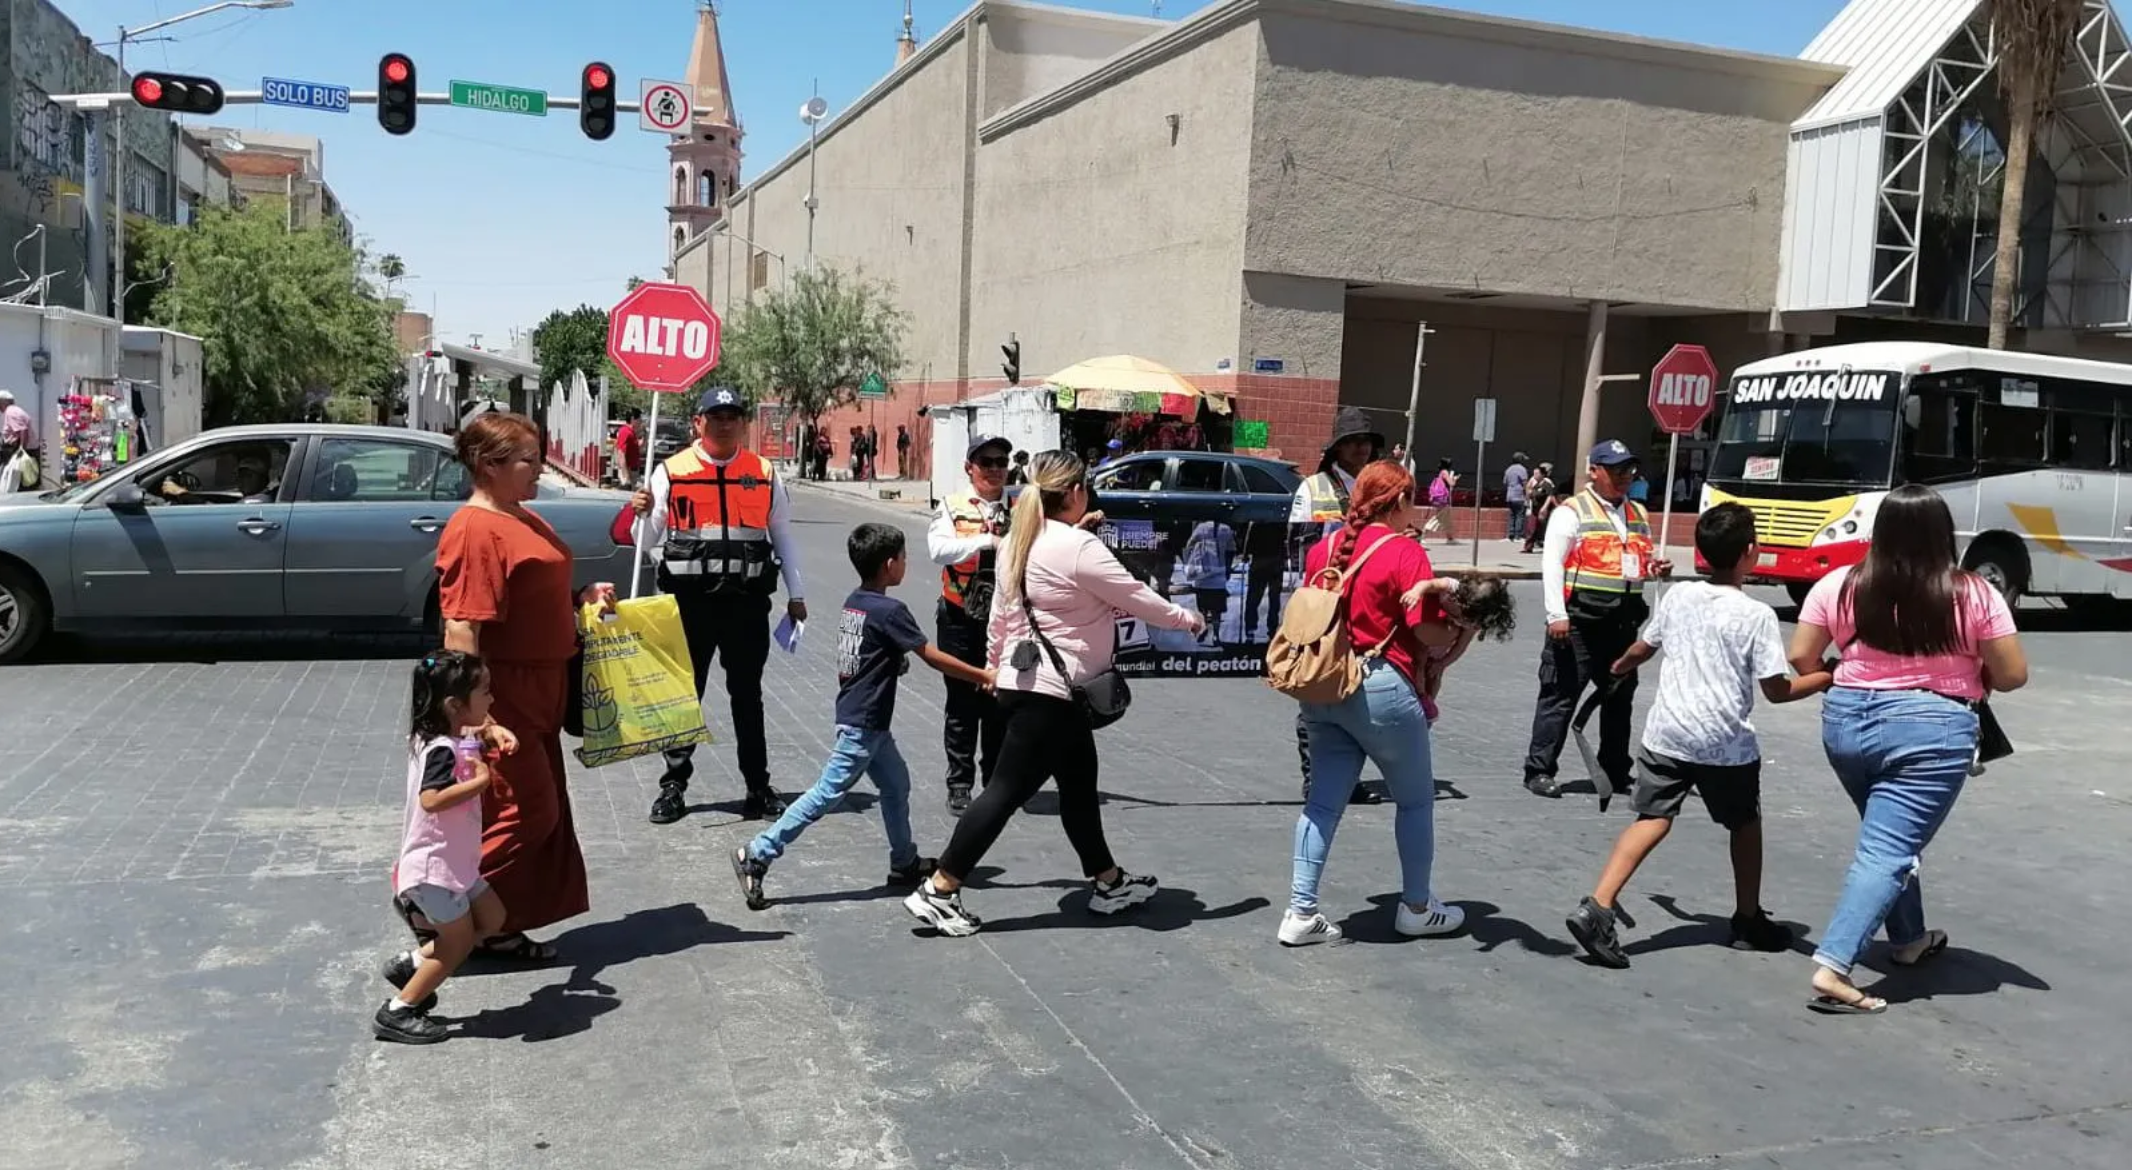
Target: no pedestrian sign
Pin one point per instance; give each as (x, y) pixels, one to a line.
(663, 337)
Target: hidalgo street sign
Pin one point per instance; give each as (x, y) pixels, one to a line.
(663, 336)
(1682, 385)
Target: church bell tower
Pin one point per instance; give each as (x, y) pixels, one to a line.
(704, 162)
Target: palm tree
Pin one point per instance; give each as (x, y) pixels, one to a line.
(392, 268)
(2031, 38)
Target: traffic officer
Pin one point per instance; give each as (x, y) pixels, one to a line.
(1596, 557)
(1317, 511)
(719, 517)
(965, 534)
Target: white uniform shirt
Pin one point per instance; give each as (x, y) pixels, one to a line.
(650, 529)
(945, 546)
(1300, 504)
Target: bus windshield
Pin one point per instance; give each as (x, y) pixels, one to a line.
(1813, 427)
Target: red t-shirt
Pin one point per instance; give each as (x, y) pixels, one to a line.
(1374, 593)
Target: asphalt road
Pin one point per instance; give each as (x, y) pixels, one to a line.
(194, 835)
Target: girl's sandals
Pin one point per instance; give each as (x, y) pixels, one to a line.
(1844, 999)
(1924, 950)
(516, 947)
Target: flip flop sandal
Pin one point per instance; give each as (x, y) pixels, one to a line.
(1866, 1005)
(1937, 942)
(517, 948)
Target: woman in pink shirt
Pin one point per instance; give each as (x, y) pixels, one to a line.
(1054, 571)
(1919, 642)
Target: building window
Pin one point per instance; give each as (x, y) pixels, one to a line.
(708, 190)
(144, 188)
(681, 186)
(681, 236)
(41, 136)
(759, 270)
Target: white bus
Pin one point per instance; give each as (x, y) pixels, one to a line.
(2031, 452)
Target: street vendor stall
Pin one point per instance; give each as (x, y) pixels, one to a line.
(1143, 404)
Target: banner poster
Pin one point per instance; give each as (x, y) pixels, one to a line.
(1235, 574)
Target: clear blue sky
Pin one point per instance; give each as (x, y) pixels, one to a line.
(502, 218)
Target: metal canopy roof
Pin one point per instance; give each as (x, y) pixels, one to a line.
(489, 362)
(1883, 44)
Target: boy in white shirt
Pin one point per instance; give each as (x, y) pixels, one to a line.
(1722, 645)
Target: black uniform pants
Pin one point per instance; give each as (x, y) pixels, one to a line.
(972, 731)
(1568, 665)
(736, 630)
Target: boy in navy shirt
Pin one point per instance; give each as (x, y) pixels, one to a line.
(874, 633)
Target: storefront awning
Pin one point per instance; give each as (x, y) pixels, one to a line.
(1124, 384)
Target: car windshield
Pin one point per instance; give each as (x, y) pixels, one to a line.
(1820, 427)
(74, 491)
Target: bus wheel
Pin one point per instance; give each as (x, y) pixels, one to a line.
(2002, 563)
(1798, 591)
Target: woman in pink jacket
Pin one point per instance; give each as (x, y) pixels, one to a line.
(1073, 586)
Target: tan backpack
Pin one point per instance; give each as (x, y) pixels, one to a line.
(1310, 658)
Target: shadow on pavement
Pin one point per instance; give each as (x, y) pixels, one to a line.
(1486, 925)
(230, 646)
(570, 1007)
(1958, 971)
(1703, 930)
(1172, 908)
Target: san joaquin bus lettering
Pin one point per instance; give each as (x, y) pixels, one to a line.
(1839, 386)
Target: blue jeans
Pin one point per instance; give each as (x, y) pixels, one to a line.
(1384, 722)
(856, 751)
(1515, 522)
(1902, 757)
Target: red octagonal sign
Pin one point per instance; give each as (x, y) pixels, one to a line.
(1682, 388)
(663, 336)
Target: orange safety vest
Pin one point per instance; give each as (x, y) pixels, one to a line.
(1594, 564)
(719, 523)
(968, 514)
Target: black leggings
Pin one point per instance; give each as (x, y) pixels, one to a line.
(1046, 739)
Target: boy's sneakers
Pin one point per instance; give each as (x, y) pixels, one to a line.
(907, 876)
(1593, 925)
(1438, 919)
(401, 968)
(1127, 891)
(1302, 931)
(669, 806)
(406, 1026)
(1756, 932)
(749, 872)
(943, 912)
(959, 799)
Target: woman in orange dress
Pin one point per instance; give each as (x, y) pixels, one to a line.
(504, 591)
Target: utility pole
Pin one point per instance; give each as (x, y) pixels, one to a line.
(812, 113)
(1415, 385)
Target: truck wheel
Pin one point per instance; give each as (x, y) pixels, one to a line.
(1798, 591)
(2002, 563)
(25, 614)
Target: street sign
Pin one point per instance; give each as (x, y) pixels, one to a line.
(874, 387)
(1485, 420)
(501, 99)
(663, 336)
(1682, 385)
(662, 106)
(306, 95)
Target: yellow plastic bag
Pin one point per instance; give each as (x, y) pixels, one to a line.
(640, 696)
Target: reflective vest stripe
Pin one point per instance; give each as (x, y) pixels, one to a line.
(967, 515)
(1328, 501)
(736, 533)
(1594, 563)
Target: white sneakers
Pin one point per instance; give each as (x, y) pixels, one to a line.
(1299, 930)
(1436, 920)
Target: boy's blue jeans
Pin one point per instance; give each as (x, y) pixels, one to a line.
(1384, 722)
(1902, 757)
(855, 752)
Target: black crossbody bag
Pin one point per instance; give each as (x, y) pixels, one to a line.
(1104, 698)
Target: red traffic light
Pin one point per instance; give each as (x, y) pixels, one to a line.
(597, 77)
(179, 93)
(147, 90)
(396, 69)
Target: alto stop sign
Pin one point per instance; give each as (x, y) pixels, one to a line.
(1682, 387)
(663, 336)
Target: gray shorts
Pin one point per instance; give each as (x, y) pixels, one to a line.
(441, 905)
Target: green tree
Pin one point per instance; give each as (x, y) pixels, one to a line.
(810, 344)
(573, 340)
(2032, 38)
(391, 268)
(280, 314)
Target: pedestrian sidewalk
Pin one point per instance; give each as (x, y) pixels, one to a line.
(899, 493)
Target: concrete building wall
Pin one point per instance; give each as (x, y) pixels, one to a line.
(1102, 228)
(1407, 146)
(1032, 51)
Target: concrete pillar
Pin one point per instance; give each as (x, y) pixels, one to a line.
(1589, 403)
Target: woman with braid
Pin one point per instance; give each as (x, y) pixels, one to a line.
(1384, 719)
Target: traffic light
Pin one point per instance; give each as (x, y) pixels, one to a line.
(1013, 367)
(396, 93)
(596, 101)
(177, 92)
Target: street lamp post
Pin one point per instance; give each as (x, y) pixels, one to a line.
(118, 134)
(812, 113)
